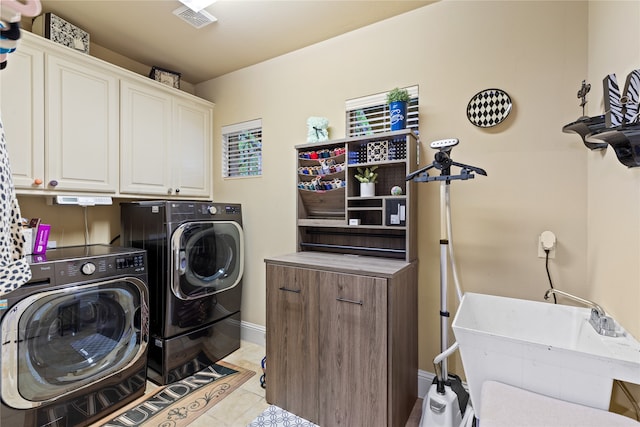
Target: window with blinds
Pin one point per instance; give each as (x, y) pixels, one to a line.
(370, 114)
(242, 149)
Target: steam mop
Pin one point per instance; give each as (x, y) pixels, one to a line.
(447, 403)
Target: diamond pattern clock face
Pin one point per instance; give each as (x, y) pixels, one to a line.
(489, 107)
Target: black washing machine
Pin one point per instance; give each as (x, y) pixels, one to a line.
(195, 261)
(75, 337)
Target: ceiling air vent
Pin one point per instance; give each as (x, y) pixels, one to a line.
(198, 20)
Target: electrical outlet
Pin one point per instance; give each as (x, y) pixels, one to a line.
(547, 240)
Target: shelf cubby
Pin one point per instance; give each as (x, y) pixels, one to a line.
(320, 204)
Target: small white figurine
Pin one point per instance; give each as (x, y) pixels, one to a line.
(317, 129)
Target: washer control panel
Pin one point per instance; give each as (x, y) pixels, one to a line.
(207, 209)
(81, 268)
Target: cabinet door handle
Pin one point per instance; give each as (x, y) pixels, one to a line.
(295, 291)
(350, 301)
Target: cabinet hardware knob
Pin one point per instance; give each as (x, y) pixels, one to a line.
(169, 190)
(177, 190)
(295, 291)
(350, 301)
(37, 181)
(53, 183)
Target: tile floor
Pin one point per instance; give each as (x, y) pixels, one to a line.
(247, 402)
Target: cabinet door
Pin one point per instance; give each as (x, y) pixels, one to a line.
(82, 106)
(292, 340)
(22, 101)
(145, 140)
(192, 139)
(353, 361)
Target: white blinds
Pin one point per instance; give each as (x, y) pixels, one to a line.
(242, 149)
(370, 114)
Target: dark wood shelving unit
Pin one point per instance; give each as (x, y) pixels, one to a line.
(332, 217)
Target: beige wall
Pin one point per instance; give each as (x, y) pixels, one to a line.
(536, 51)
(613, 219)
(68, 222)
(613, 191)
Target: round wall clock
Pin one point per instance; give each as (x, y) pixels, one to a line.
(489, 107)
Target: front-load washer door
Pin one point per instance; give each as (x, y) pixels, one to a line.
(59, 341)
(207, 258)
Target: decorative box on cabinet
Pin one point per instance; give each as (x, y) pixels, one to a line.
(333, 217)
(342, 338)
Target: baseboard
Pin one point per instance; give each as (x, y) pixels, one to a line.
(256, 334)
(253, 333)
(424, 382)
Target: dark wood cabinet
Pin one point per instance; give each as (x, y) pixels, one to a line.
(342, 338)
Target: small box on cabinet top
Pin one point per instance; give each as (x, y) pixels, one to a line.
(170, 78)
(58, 30)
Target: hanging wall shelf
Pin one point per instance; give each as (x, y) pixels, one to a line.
(625, 141)
(619, 127)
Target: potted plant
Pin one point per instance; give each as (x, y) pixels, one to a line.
(397, 99)
(367, 177)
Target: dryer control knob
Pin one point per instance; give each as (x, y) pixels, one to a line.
(212, 210)
(88, 268)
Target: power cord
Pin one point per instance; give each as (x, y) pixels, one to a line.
(546, 265)
(86, 226)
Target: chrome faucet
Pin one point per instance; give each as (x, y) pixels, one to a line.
(603, 324)
(583, 301)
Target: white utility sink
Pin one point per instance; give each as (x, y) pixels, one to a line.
(546, 348)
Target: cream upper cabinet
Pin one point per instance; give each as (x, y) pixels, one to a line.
(165, 142)
(22, 109)
(145, 136)
(192, 141)
(60, 114)
(82, 126)
(75, 123)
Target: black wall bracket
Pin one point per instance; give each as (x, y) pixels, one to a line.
(619, 127)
